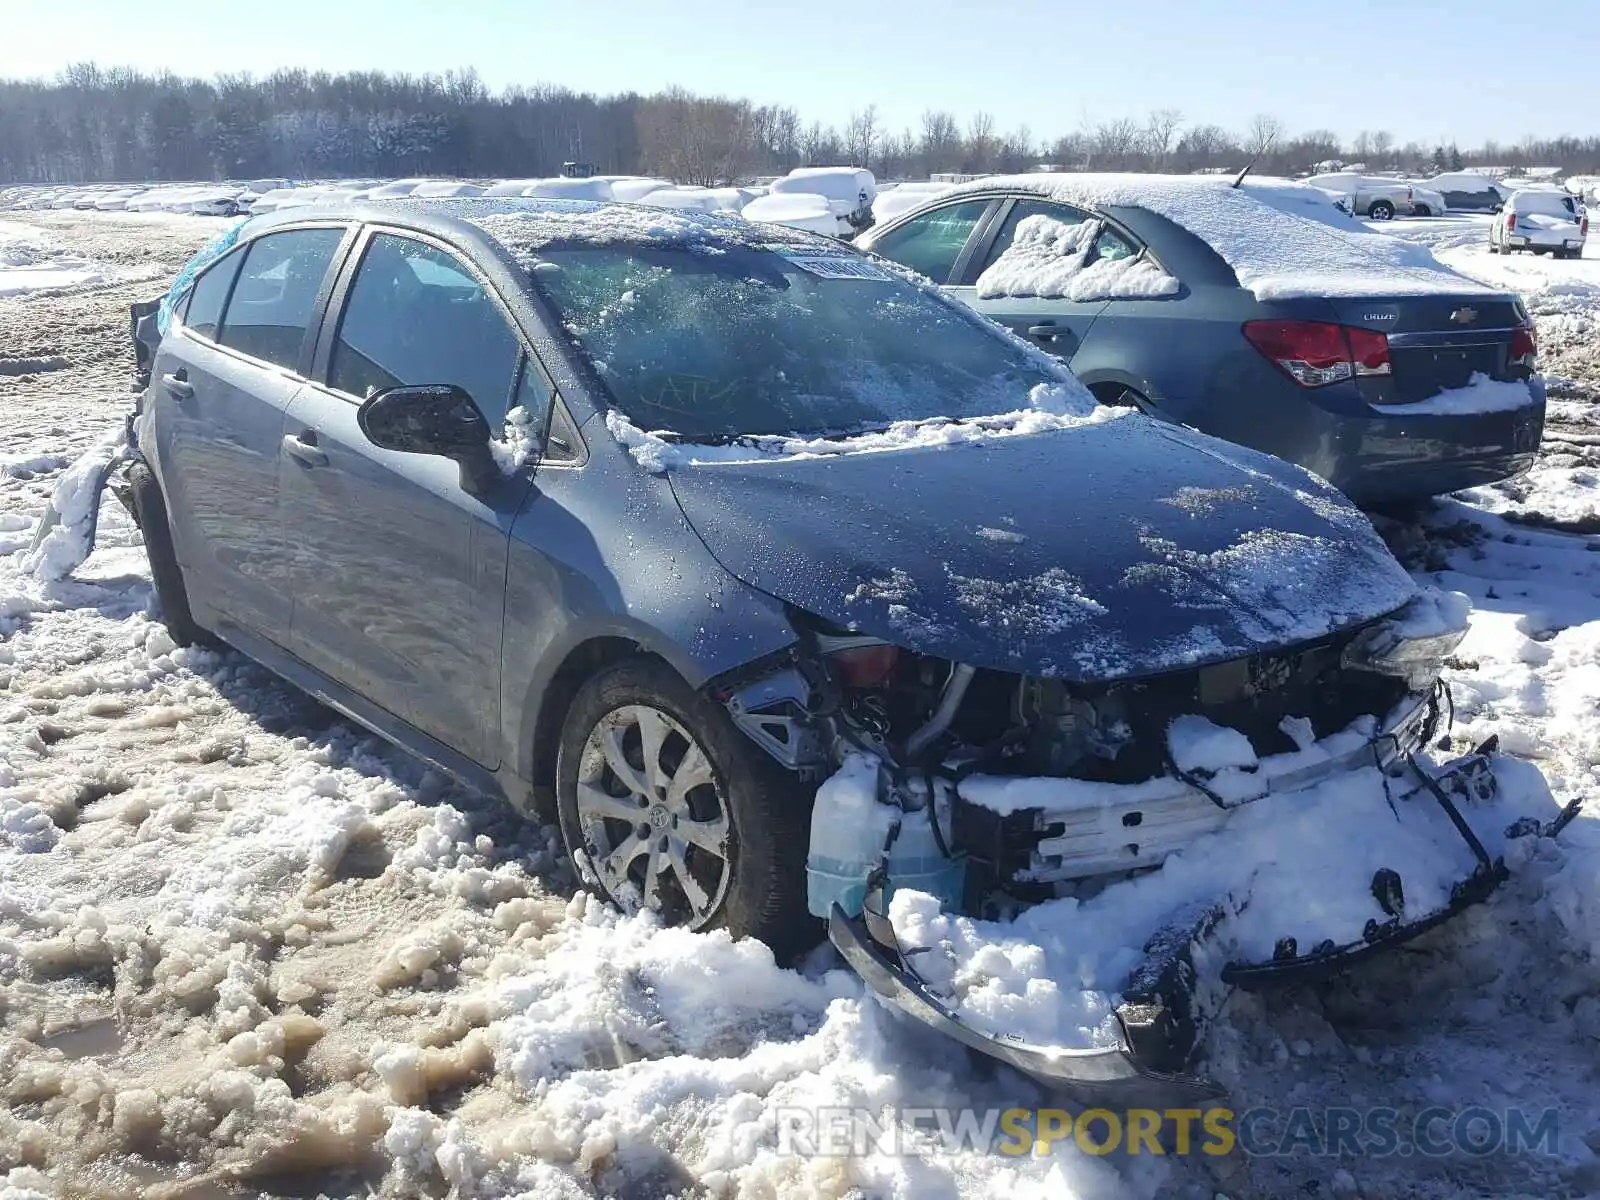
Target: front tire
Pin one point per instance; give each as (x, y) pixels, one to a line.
(172, 597)
(664, 804)
(1381, 210)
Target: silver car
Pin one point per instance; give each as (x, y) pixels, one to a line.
(1369, 196)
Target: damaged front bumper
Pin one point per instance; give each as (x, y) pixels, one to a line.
(1159, 1022)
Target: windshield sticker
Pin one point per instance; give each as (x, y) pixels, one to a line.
(830, 265)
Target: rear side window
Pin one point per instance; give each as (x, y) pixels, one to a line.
(275, 293)
(417, 315)
(203, 312)
(1020, 212)
(931, 243)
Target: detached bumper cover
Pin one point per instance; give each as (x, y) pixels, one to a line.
(1109, 1075)
(1160, 1027)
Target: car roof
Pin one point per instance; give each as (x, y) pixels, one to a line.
(524, 223)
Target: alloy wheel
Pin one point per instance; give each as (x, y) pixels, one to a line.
(654, 820)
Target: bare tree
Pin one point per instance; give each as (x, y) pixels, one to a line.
(981, 144)
(1160, 128)
(861, 136)
(940, 147)
(1264, 134)
(1206, 147)
(1115, 144)
(1382, 144)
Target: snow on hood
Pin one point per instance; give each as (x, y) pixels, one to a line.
(1110, 550)
(1275, 251)
(1047, 257)
(1051, 407)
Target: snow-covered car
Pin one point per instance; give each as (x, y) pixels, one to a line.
(1373, 196)
(445, 189)
(798, 210)
(1540, 221)
(772, 647)
(632, 191)
(117, 200)
(1467, 191)
(508, 187)
(220, 202)
(901, 198)
(850, 192)
(563, 188)
(1259, 313)
(1425, 202)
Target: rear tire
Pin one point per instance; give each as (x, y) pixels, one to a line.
(724, 836)
(1381, 210)
(1421, 210)
(172, 597)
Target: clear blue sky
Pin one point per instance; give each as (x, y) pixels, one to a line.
(1431, 71)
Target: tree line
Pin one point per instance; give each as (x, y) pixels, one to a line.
(91, 124)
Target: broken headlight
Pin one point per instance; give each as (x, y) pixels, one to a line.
(1414, 642)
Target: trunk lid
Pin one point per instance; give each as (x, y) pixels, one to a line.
(1435, 342)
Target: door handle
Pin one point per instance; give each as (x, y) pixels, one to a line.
(1047, 331)
(298, 447)
(178, 385)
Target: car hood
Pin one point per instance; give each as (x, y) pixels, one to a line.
(1115, 550)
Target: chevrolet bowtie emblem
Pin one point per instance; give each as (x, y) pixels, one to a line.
(1464, 316)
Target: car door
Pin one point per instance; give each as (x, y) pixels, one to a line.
(1054, 324)
(399, 574)
(222, 380)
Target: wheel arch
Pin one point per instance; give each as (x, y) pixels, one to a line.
(547, 703)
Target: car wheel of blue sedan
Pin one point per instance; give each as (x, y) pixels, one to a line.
(665, 805)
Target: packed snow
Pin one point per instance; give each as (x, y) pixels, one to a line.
(1480, 395)
(246, 947)
(1050, 407)
(800, 211)
(1049, 259)
(1275, 252)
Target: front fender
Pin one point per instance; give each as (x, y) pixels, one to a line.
(605, 552)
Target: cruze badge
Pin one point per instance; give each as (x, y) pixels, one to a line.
(1378, 316)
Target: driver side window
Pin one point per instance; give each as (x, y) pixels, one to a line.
(417, 315)
(931, 243)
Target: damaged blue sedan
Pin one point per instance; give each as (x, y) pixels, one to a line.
(667, 527)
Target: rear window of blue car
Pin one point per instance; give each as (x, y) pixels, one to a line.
(719, 342)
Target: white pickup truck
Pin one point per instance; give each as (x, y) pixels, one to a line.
(1541, 221)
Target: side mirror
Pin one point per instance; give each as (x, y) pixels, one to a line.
(436, 419)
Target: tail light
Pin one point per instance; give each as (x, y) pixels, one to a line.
(1511, 222)
(865, 666)
(1317, 353)
(1583, 227)
(1524, 348)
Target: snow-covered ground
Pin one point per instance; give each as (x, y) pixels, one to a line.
(246, 948)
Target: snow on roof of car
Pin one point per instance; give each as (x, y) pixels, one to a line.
(1276, 249)
(527, 225)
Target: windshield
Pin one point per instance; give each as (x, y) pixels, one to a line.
(717, 342)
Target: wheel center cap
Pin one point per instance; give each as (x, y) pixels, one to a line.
(659, 816)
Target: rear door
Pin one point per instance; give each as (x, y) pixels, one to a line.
(1053, 324)
(398, 573)
(222, 381)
